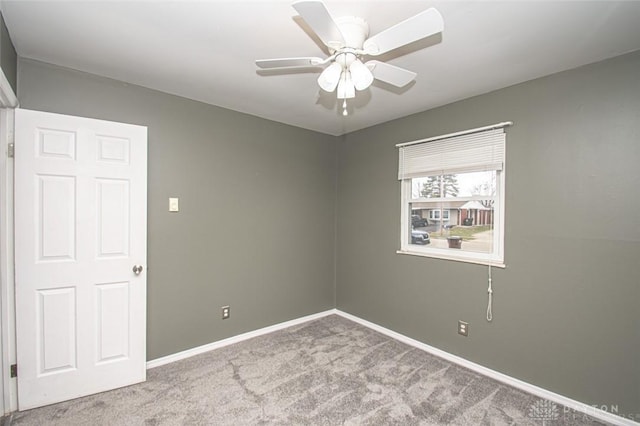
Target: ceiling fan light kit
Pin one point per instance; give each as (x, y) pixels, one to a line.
(330, 77)
(361, 75)
(348, 42)
(346, 88)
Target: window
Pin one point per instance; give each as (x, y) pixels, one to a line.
(457, 183)
(437, 213)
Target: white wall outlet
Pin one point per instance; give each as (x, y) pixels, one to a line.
(226, 312)
(463, 328)
(174, 205)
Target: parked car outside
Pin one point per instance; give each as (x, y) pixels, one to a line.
(420, 237)
(417, 221)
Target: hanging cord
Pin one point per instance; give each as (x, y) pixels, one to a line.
(490, 292)
(490, 289)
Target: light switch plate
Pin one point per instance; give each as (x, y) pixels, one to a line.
(174, 205)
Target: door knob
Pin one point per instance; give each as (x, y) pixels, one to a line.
(137, 269)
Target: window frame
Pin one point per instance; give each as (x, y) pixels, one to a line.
(496, 257)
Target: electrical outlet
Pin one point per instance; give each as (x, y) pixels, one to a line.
(226, 312)
(463, 328)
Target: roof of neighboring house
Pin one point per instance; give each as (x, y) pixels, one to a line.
(450, 205)
(473, 205)
(443, 205)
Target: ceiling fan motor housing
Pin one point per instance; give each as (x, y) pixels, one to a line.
(354, 30)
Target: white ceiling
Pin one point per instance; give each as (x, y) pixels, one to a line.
(205, 50)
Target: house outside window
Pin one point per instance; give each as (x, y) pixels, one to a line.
(457, 183)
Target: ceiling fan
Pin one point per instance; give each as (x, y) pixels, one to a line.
(348, 41)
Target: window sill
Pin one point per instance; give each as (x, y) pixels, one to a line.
(457, 258)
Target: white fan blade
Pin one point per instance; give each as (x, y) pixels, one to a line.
(290, 62)
(317, 16)
(422, 25)
(391, 74)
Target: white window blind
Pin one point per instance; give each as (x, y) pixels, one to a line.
(472, 152)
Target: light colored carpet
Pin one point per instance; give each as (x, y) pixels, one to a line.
(330, 371)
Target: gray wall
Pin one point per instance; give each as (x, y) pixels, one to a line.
(259, 234)
(257, 207)
(566, 314)
(8, 57)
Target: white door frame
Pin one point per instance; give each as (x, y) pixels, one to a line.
(8, 386)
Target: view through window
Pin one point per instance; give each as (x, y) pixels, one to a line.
(455, 209)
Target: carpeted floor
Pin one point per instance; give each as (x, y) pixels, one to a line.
(329, 371)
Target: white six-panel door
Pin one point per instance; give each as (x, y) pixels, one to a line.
(80, 228)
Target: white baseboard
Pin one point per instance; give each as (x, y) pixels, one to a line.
(577, 406)
(234, 339)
